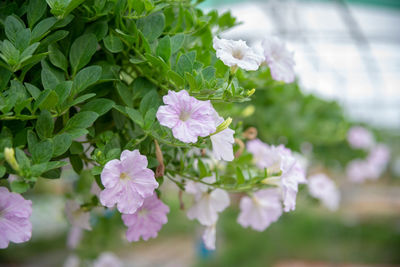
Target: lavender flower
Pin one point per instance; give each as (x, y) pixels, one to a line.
(107, 259)
(209, 236)
(323, 188)
(360, 138)
(147, 220)
(127, 182)
(14, 218)
(262, 209)
(279, 60)
(188, 117)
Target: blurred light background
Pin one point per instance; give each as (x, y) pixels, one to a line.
(348, 51)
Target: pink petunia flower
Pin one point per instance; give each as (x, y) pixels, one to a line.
(279, 59)
(207, 203)
(147, 220)
(188, 117)
(357, 170)
(323, 188)
(360, 138)
(237, 54)
(262, 209)
(127, 182)
(14, 218)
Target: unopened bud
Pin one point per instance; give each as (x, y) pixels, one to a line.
(9, 155)
(251, 92)
(223, 125)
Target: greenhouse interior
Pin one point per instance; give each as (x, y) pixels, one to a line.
(174, 133)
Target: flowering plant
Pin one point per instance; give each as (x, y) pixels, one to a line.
(130, 93)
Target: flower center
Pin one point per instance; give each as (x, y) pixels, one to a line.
(237, 54)
(142, 213)
(124, 176)
(184, 115)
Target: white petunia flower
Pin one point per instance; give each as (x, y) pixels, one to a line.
(207, 203)
(76, 216)
(209, 236)
(279, 59)
(323, 188)
(107, 259)
(262, 209)
(222, 142)
(237, 54)
(280, 161)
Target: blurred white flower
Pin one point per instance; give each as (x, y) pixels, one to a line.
(323, 188)
(72, 261)
(207, 203)
(360, 138)
(76, 216)
(279, 59)
(209, 236)
(107, 259)
(262, 209)
(74, 237)
(237, 54)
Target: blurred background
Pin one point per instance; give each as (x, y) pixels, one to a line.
(347, 57)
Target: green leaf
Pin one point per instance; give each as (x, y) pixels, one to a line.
(208, 73)
(50, 78)
(63, 91)
(36, 10)
(150, 100)
(202, 169)
(100, 106)
(149, 118)
(42, 28)
(12, 26)
(164, 48)
(61, 143)
(2, 171)
(23, 39)
(32, 140)
(76, 133)
(82, 98)
(239, 175)
(42, 151)
(57, 58)
(176, 78)
(83, 119)
(125, 94)
(85, 78)
(19, 186)
(99, 28)
(45, 125)
(50, 101)
(28, 52)
(184, 65)
(82, 50)
(76, 148)
(152, 26)
(177, 42)
(9, 53)
(76, 163)
(113, 44)
(135, 115)
(22, 159)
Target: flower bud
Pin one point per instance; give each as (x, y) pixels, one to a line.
(223, 125)
(9, 155)
(251, 92)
